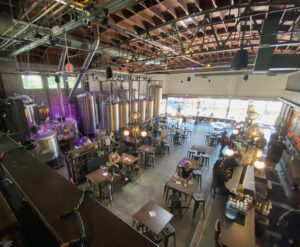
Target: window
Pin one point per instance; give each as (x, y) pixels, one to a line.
(32, 82)
(52, 84)
(72, 81)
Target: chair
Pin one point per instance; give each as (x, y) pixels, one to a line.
(198, 175)
(168, 232)
(197, 197)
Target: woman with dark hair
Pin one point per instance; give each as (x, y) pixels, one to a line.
(225, 141)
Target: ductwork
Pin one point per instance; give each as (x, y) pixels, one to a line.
(165, 48)
(100, 13)
(87, 61)
(57, 79)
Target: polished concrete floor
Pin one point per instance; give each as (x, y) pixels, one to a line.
(129, 198)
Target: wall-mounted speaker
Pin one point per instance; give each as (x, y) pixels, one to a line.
(109, 72)
(240, 60)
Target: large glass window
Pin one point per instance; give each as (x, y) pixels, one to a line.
(32, 82)
(213, 107)
(238, 109)
(187, 106)
(268, 111)
(52, 84)
(71, 82)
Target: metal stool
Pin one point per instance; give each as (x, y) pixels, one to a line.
(196, 157)
(151, 160)
(207, 139)
(175, 202)
(198, 174)
(197, 197)
(136, 169)
(167, 232)
(205, 159)
(166, 147)
(138, 225)
(190, 153)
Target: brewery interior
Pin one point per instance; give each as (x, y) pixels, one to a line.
(104, 103)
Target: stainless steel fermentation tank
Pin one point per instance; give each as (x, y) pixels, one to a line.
(150, 104)
(157, 100)
(110, 116)
(88, 113)
(123, 114)
(123, 94)
(133, 108)
(142, 110)
(46, 145)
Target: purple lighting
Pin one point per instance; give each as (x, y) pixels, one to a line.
(192, 68)
(26, 75)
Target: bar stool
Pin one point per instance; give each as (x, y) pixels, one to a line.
(168, 232)
(207, 139)
(205, 159)
(175, 202)
(197, 197)
(190, 153)
(136, 170)
(166, 147)
(196, 157)
(151, 159)
(198, 175)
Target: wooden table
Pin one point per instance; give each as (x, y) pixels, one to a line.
(195, 164)
(146, 149)
(199, 149)
(128, 159)
(98, 177)
(177, 185)
(236, 235)
(153, 217)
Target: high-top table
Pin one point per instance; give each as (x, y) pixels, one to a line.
(154, 217)
(199, 149)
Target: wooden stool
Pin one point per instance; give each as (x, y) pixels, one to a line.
(197, 197)
(167, 232)
(198, 174)
(190, 153)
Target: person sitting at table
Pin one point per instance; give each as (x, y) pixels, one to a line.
(114, 162)
(224, 141)
(220, 176)
(186, 172)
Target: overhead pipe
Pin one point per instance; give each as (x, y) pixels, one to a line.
(163, 47)
(87, 61)
(57, 79)
(98, 13)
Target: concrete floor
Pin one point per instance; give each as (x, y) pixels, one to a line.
(129, 198)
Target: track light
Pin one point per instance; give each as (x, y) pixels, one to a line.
(208, 65)
(188, 79)
(109, 72)
(245, 78)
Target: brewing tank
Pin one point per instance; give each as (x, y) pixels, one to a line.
(133, 108)
(46, 145)
(123, 94)
(32, 114)
(110, 116)
(87, 113)
(142, 110)
(123, 114)
(157, 100)
(150, 104)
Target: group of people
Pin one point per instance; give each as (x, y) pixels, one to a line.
(115, 165)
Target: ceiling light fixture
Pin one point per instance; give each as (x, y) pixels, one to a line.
(192, 68)
(208, 65)
(166, 67)
(187, 51)
(127, 60)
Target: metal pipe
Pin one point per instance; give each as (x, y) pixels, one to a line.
(86, 62)
(101, 12)
(139, 92)
(57, 79)
(165, 48)
(130, 98)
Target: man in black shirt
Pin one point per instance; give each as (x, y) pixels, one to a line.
(275, 151)
(220, 176)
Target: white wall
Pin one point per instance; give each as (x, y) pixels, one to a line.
(257, 86)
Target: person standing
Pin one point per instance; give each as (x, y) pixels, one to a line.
(275, 152)
(224, 141)
(273, 138)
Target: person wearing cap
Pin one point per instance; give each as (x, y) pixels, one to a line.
(186, 172)
(275, 151)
